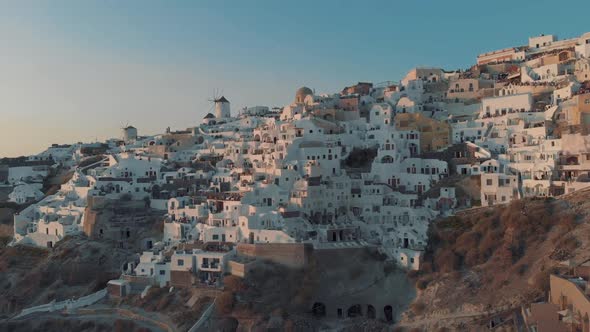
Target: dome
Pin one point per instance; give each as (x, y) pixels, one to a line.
(209, 116)
(302, 93)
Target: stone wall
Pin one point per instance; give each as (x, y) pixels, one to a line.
(293, 255)
(181, 279)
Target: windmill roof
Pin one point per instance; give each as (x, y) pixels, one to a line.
(222, 100)
(209, 116)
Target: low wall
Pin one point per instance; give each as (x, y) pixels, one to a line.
(138, 283)
(67, 304)
(201, 325)
(240, 269)
(294, 255)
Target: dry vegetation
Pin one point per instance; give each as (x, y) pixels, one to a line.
(488, 258)
(172, 304)
(75, 267)
(60, 325)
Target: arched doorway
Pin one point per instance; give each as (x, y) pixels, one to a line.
(355, 311)
(388, 311)
(319, 309)
(371, 312)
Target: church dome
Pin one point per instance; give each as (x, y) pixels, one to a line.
(302, 93)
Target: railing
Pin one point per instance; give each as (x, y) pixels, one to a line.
(210, 266)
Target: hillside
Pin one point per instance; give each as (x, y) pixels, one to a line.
(74, 267)
(488, 261)
(7, 211)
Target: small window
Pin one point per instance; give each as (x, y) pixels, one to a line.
(180, 263)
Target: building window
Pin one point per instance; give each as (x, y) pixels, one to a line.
(180, 263)
(489, 182)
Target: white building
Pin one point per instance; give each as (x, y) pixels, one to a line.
(26, 193)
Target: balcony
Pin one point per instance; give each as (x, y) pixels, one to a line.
(211, 267)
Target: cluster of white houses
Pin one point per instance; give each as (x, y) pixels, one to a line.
(372, 165)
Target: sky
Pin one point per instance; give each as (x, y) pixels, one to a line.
(80, 70)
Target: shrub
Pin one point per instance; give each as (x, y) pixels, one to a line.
(123, 325)
(224, 303)
(233, 283)
(422, 283)
(418, 308)
(228, 324)
(521, 269)
(164, 302)
(447, 261)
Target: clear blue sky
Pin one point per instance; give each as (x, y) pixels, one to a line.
(79, 70)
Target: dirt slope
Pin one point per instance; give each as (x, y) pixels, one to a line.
(491, 260)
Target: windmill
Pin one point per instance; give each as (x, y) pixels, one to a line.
(220, 104)
(129, 132)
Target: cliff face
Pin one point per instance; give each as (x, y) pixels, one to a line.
(335, 289)
(490, 261)
(123, 224)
